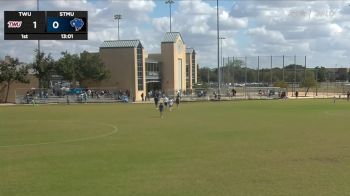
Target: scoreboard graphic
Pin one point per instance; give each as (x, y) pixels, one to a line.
(46, 25)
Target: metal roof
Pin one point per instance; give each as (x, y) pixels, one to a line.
(171, 37)
(121, 44)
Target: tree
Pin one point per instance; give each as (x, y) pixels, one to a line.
(342, 74)
(87, 66)
(321, 74)
(281, 84)
(11, 71)
(43, 66)
(68, 67)
(92, 67)
(309, 81)
(203, 75)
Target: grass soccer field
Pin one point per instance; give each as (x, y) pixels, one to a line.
(293, 147)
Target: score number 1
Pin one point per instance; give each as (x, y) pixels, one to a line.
(34, 23)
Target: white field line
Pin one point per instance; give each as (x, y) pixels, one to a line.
(115, 130)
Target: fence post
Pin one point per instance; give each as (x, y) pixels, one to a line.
(305, 69)
(223, 69)
(258, 71)
(228, 69)
(295, 73)
(245, 78)
(271, 71)
(233, 71)
(283, 68)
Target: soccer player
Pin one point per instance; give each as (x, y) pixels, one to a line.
(161, 108)
(171, 103)
(177, 101)
(334, 99)
(33, 101)
(348, 95)
(156, 100)
(166, 100)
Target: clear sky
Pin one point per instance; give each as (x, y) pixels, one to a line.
(319, 30)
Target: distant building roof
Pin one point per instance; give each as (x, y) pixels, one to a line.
(121, 44)
(189, 50)
(171, 37)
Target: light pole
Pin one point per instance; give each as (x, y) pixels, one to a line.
(218, 37)
(37, 7)
(118, 17)
(222, 65)
(170, 2)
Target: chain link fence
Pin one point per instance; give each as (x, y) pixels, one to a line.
(74, 95)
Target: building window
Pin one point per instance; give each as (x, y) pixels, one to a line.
(193, 68)
(152, 70)
(140, 85)
(179, 74)
(187, 76)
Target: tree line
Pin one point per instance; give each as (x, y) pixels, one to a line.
(71, 67)
(235, 72)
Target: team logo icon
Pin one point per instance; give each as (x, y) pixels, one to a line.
(77, 23)
(14, 24)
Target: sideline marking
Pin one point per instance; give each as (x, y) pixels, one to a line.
(115, 130)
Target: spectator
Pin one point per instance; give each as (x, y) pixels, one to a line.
(234, 92)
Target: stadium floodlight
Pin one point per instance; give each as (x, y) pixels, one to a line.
(170, 2)
(118, 17)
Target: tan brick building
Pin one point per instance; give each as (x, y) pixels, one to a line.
(134, 70)
(191, 68)
(126, 62)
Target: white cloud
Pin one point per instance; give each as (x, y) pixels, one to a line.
(319, 29)
(161, 24)
(141, 5)
(260, 34)
(229, 22)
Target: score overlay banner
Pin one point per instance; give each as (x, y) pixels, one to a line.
(46, 25)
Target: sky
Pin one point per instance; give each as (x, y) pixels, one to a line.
(319, 29)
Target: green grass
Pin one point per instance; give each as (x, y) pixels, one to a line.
(294, 147)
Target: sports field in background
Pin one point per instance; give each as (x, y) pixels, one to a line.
(293, 147)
